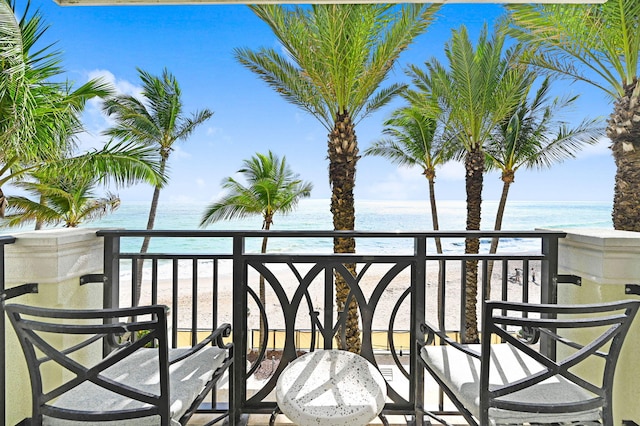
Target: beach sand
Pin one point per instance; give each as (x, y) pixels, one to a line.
(388, 299)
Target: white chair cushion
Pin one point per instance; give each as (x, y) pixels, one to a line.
(461, 373)
(140, 370)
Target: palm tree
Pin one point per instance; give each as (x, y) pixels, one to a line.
(600, 45)
(271, 187)
(157, 121)
(39, 118)
(26, 83)
(33, 108)
(336, 58)
(411, 142)
(535, 137)
(74, 178)
(476, 92)
(63, 198)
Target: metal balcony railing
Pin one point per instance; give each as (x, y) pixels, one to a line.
(397, 280)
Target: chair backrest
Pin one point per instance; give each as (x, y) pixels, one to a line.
(579, 334)
(74, 340)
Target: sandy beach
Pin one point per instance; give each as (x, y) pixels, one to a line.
(287, 283)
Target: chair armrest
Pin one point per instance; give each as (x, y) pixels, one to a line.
(431, 332)
(216, 336)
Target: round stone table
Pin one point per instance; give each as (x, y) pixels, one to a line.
(331, 388)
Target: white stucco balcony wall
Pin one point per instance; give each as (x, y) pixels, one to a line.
(607, 260)
(55, 260)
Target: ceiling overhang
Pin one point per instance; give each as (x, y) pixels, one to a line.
(200, 2)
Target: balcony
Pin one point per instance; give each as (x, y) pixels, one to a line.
(399, 281)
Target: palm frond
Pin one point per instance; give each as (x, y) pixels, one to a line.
(22, 211)
(287, 80)
(337, 55)
(122, 163)
(601, 38)
(11, 47)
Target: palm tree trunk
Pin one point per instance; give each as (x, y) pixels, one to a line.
(434, 213)
(507, 180)
(3, 204)
(474, 165)
(150, 224)
(438, 241)
(343, 156)
(624, 131)
(262, 290)
(38, 221)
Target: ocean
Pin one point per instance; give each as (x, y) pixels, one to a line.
(371, 215)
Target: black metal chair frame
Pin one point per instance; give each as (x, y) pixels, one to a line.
(120, 329)
(615, 317)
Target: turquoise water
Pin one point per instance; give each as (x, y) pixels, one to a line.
(370, 215)
(377, 215)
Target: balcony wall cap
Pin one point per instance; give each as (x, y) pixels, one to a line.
(53, 255)
(604, 256)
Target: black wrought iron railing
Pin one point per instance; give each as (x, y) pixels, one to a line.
(399, 281)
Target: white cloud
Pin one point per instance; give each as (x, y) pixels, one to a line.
(392, 190)
(94, 120)
(403, 183)
(601, 148)
(216, 135)
(453, 170)
(215, 197)
(410, 174)
(408, 183)
(122, 87)
(200, 183)
(89, 140)
(179, 153)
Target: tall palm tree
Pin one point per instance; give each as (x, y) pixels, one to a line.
(535, 137)
(477, 91)
(598, 44)
(336, 58)
(271, 187)
(62, 198)
(156, 120)
(411, 142)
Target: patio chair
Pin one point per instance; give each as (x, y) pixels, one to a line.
(140, 382)
(515, 382)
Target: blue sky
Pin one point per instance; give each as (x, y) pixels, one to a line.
(196, 44)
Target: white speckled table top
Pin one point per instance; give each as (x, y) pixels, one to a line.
(331, 388)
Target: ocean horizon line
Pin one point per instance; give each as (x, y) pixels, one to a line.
(390, 200)
(371, 215)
